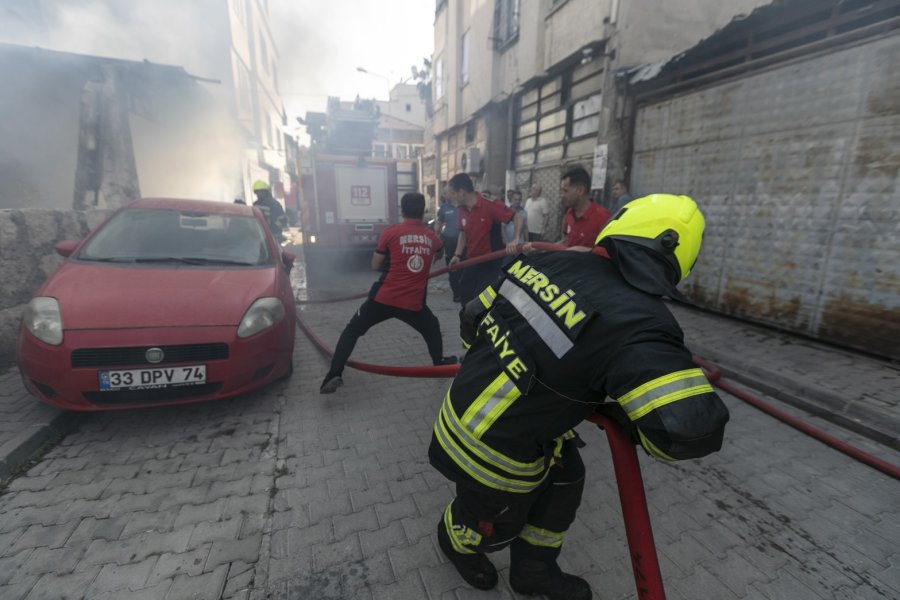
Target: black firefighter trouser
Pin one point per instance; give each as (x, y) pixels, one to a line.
(480, 519)
(372, 313)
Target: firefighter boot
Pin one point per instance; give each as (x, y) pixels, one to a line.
(533, 577)
(476, 569)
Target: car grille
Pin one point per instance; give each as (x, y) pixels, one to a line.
(116, 357)
(120, 397)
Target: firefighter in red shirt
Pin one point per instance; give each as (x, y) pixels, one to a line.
(407, 250)
(477, 216)
(585, 218)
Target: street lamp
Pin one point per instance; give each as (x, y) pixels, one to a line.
(389, 111)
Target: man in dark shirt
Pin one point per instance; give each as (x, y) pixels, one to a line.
(270, 207)
(447, 226)
(620, 196)
(407, 250)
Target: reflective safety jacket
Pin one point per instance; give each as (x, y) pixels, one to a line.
(558, 335)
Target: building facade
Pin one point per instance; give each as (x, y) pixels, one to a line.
(524, 88)
(401, 125)
(253, 77)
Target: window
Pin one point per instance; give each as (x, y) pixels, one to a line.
(402, 150)
(379, 150)
(243, 91)
(263, 53)
(439, 78)
(464, 60)
(418, 150)
(559, 117)
(586, 116)
(471, 131)
(408, 107)
(506, 22)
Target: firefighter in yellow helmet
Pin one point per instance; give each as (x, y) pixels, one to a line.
(559, 335)
(270, 207)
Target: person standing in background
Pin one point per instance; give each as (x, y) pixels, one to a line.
(584, 218)
(446, 225)
(620, 196)
(270, 207)
(538, 211)
(509, 229)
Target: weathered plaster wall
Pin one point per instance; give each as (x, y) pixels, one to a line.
(797, 168)
(27, 258)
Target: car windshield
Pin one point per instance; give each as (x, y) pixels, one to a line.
(143, 235)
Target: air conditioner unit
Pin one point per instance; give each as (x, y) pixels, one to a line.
(470, 160)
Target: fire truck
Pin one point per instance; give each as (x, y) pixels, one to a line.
(346, 202)
(347, 195)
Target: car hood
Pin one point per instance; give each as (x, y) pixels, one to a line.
(110, 296)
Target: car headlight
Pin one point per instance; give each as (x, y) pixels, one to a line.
(43, 319)
(261, 315)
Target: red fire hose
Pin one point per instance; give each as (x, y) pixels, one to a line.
(715, 377)
(638, 531)
(460, 265)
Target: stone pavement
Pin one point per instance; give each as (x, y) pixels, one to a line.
(858, 391)
(25, 425)
(289, 494)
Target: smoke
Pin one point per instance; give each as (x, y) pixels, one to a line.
(163, 31)
(180, 152)
(319, 56)
(185, 135)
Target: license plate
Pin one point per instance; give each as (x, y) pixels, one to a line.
(138, 379)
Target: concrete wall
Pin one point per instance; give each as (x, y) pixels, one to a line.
(797, 169)
(27, 258)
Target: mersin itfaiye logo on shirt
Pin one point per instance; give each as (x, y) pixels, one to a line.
(415, 263)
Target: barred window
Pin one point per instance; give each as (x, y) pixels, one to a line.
(559, 117)
(506, 22)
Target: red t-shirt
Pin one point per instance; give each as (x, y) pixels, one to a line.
(410, 247)
(477, 223)
(583, 230)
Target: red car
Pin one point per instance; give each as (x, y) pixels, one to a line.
(167, 302)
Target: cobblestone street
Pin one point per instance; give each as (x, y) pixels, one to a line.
(289, 494)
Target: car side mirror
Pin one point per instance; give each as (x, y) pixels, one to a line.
(65, 248)
(287, 259)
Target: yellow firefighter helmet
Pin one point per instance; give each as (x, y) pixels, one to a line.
(670, 225)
